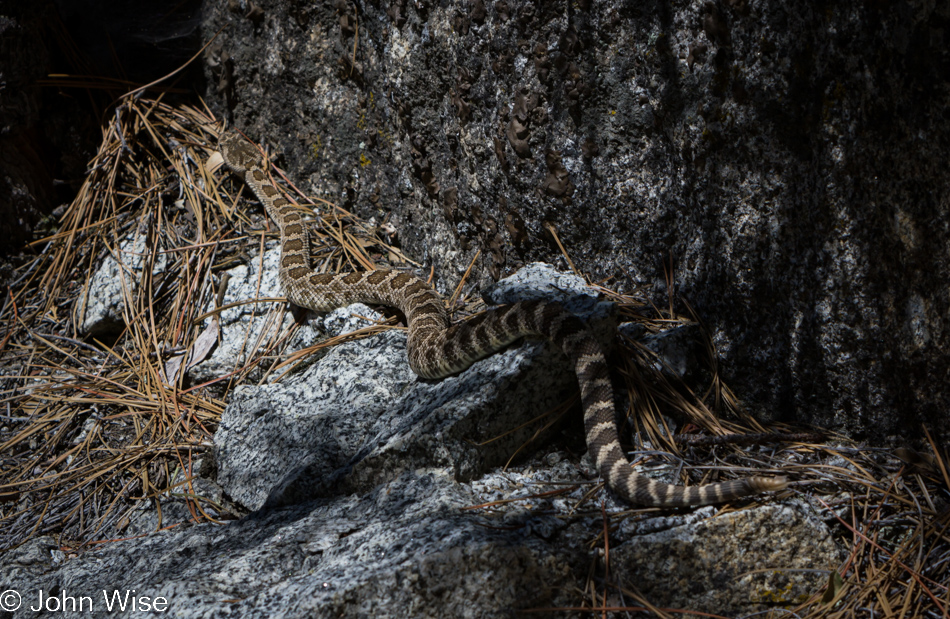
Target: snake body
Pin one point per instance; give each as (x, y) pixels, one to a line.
(437, 348)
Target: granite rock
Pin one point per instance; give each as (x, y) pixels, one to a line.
(786, 159)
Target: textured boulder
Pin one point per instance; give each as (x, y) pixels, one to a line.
(789, 159)
(408, 548)
(737, 561)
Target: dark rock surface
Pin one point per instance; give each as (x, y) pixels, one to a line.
(788, 158)
(410, 549)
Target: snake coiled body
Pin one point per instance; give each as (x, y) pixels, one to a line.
(438, 348)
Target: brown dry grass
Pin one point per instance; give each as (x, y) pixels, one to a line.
(92, 430)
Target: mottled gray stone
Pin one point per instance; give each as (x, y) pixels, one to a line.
(786, 159)
(118, 277)
(248, 326)
(405, 549)
(540, 280)
(737, 563)
(410, 548)
(348, 319)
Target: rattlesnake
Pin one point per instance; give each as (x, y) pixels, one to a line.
(437, 348)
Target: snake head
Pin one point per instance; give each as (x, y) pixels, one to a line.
(239, 154)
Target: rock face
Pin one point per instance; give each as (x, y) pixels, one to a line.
(246, 326)
(732, 549)
(409, 549)
(376, 493)
(789, 160)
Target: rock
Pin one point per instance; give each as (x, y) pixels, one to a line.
(539, 280)
(118, 278)
(345, 320)
(679, 350)
(248, 326)
(734, 564)
(409, 547)
(406, 548)
(792, 181)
